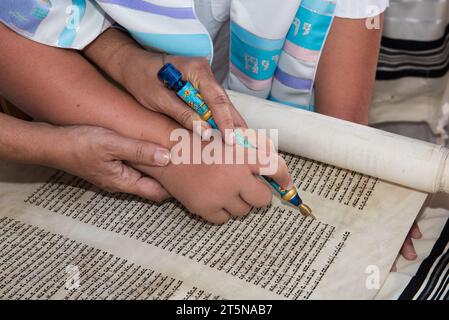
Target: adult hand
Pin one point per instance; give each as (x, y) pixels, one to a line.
(101, 157)
(140, 79)
(98, 155)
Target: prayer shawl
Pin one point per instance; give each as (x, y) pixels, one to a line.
(413, 66)
(275, 44)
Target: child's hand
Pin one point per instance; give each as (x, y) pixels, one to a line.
(218, 192)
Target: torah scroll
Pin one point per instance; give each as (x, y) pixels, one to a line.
(62, 238)
(409, 162)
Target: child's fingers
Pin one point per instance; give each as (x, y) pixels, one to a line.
(150, 189)
(277, 169)
(263, 158)
(256, 193)
(220, 217)
(131, 181)
(238, 207)
(257, 139)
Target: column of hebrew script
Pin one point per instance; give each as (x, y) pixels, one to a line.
(348, 145)
(36, 264)
(273, 248)
(274, 253)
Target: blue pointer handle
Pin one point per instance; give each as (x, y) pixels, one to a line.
(172, 79)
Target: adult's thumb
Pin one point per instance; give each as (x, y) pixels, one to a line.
(141, 152)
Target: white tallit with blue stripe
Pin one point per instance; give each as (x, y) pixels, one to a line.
(275, 44)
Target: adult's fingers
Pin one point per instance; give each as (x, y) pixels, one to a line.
(138, 151)
(256, 193)
(133, 182)
(175, 108)
(218, 101)
(224, 112)
(239, 122)
(150, 189)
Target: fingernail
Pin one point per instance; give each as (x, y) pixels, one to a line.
(162, 157)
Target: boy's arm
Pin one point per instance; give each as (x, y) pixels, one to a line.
(346, 73)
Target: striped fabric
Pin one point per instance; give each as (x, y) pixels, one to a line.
(298, 63)
(62, 23)
(411, 58)
(414, 56)
(170, 26)
(431, 282)
(277, 59)
(416, 40)
(413, 67)
(256, 43)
